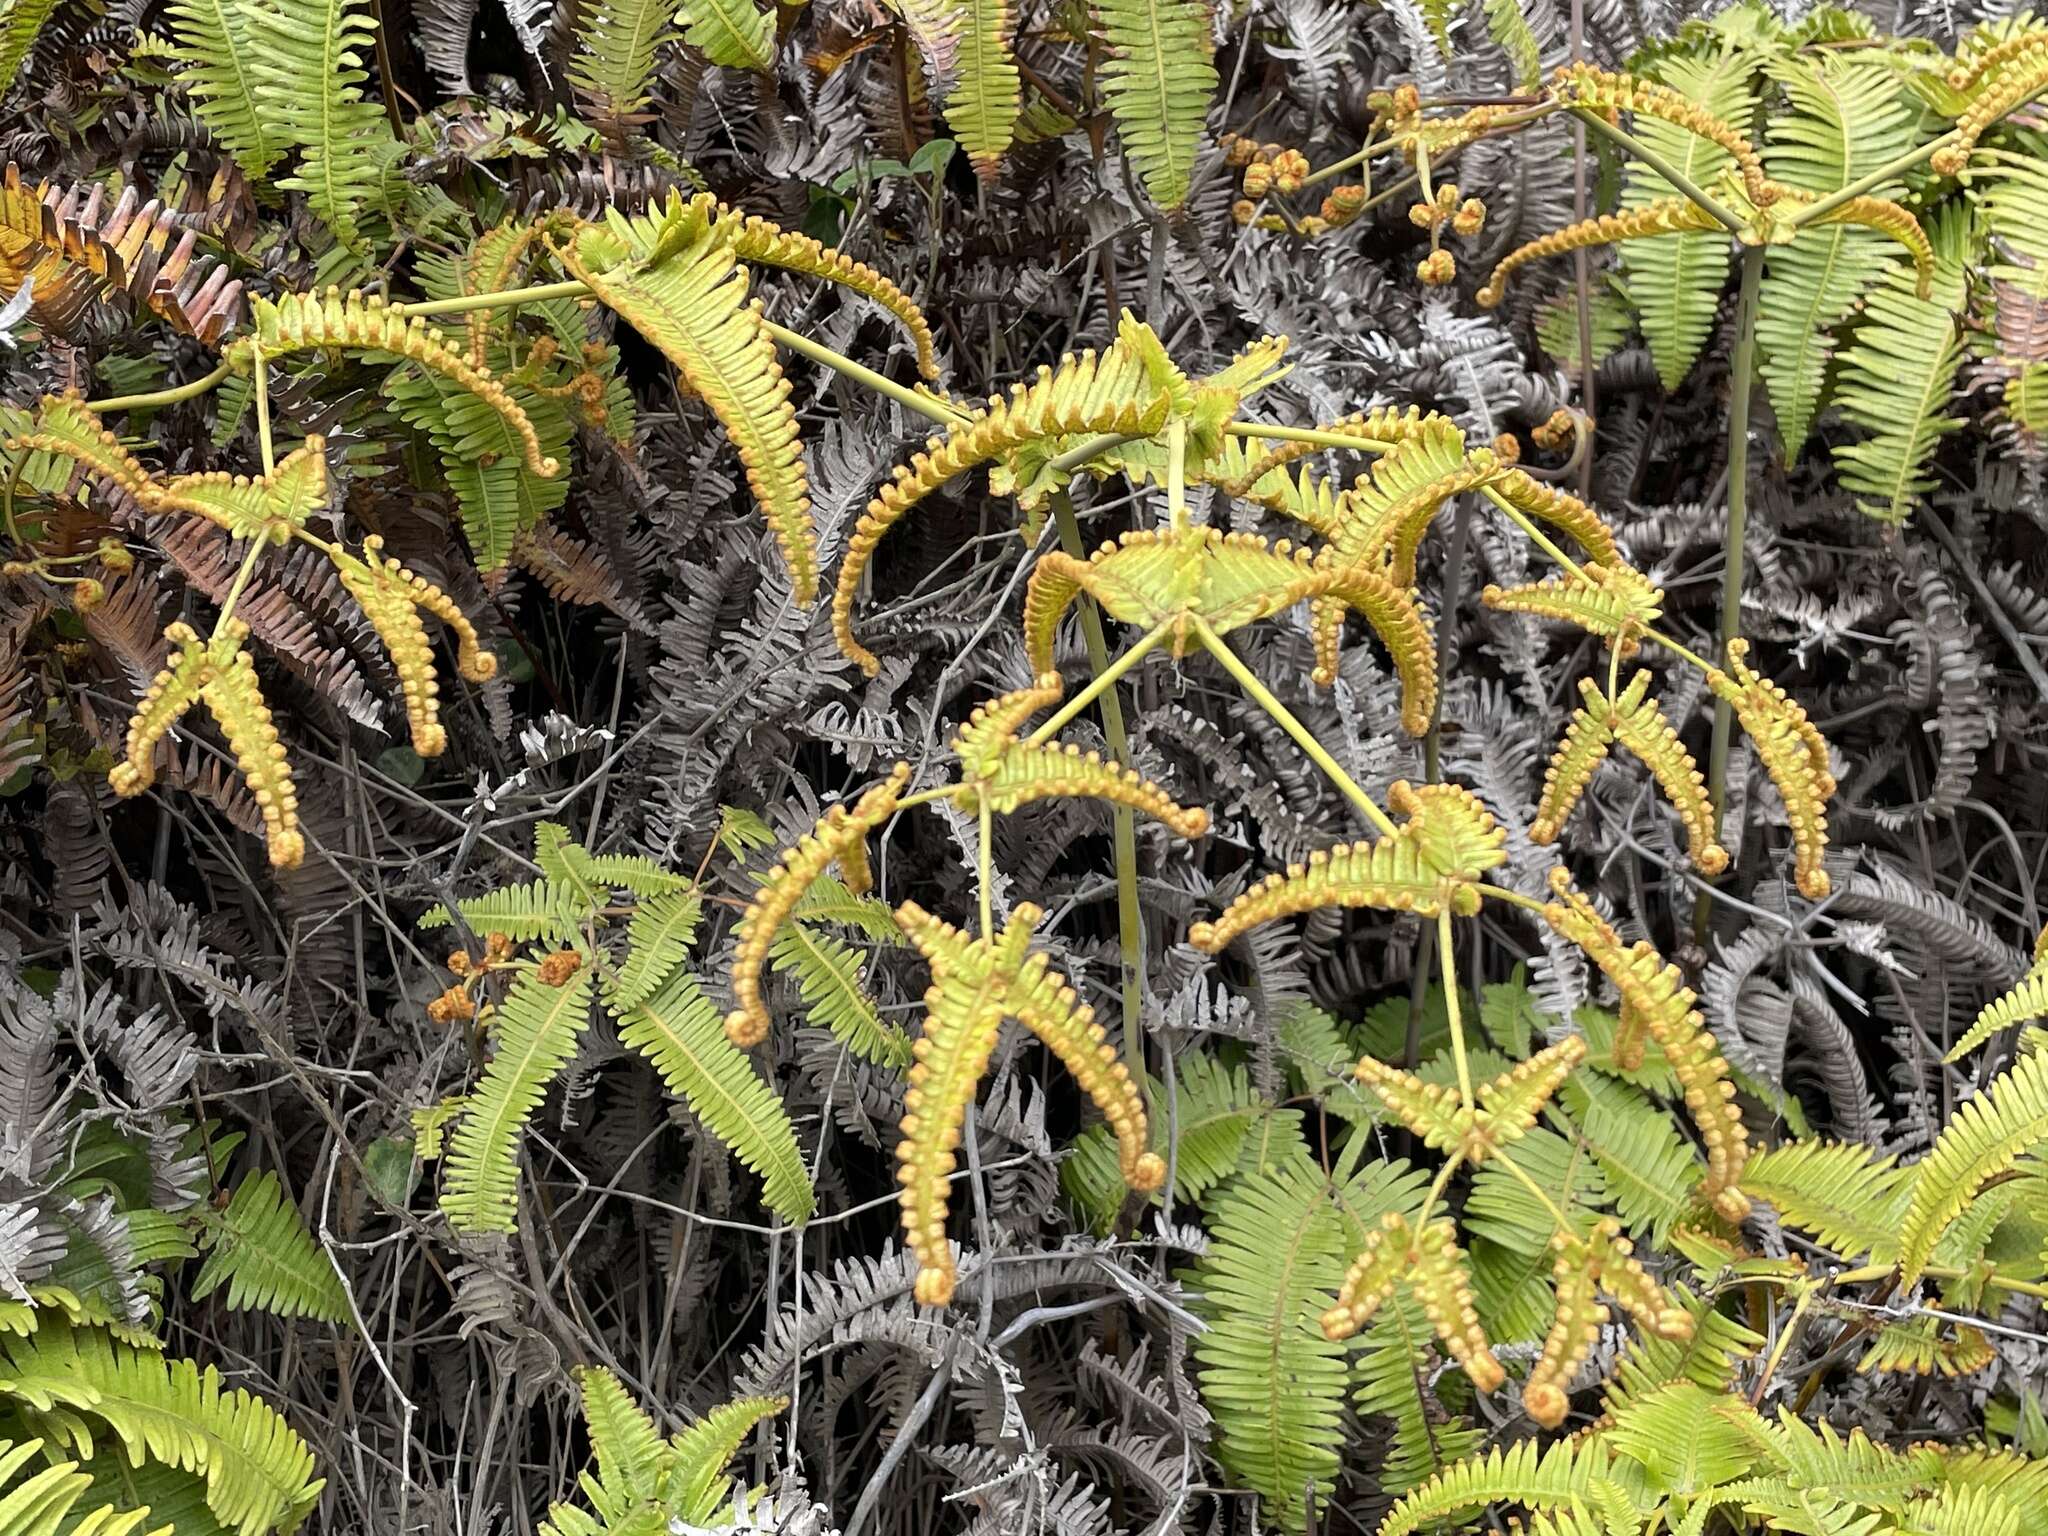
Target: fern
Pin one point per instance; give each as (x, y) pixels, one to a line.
(984, 104)
(258, 1472)
(1844, 1195)
(1526, 1474)
(1157, 84)
(306, 58)
(541, 910)
(658, 937)
(1896, 378)
(2025, 999)
(616, 41)
(267, 1259)
(734, 34)
(1987, 1136)
(534, 1032)
(42, 1501)
(680, 1031)
(21, 22)
(828, 978)
(214, 46)
(1392, 1371)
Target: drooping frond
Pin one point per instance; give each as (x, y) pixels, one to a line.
(1385, 515)
(1616, 602)
(1120, 391)
(2025, 999)
(533, 1034)
(1441, 1282)
(1562, 510)
(173, 691)
(1157, 82)
(63, 426)
(733, 34)
(1666, 216)
(976, 984)
(234, 697)
(1987, 1136)
(675, 279)
(1373, 1277)
(250, 507)
(258, 1472)
(1004, 772)
(838, 837)
(1608, 92)
(213, 44)
(1430, 864)
(1793, 753)
(1622, 1276)
(616, 41)
(308, 59)
(983, 107)
(1655, 1001)
(1580, 752)
(1574, 1329)
(1634, 719)
(303, 322)
(392, 598)
(267, 1259)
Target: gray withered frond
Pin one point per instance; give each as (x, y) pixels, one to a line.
(28, 1078)
(1012, 1492)
(29, 1247)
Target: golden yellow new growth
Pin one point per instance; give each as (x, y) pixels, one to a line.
(1438, 1277)
(1616, 602)
(1967, 74)
(1573, 1331)
(1278, 454)
(299, 322)
(1004, 773)
(1563, 511)
(1895, 222)
(1623, 1277)
(1394, 616)
(1654, 999)
(2019, 74)
(1504, 1110)
(1580, 752)
(235, 698)
(1795, 755)
(168, 696)
(976, 983)
(1431, 864)
(65, 427)
(264, 506)
(1374, 1274)
(1431, 1110)
(391, 598)
(1606, 92)
(837, 836)
(1666, 216)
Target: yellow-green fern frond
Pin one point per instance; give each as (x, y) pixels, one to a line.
(1509, 1104)
(2020, 73)
(354, 321)
(39, 1492)
(1430, 1110)
(1895, 223)
(307, 60)
(1439, 1278)
(20, 24)
(1987, 1136)
(1792, 752)
(1607, 92)
(983, 107)
(1919, 1346)
(733, 34)
(1386, 513)
(1157, 82)
(1574, 1329)
(675, 279)
(1616, 602)
(1655, 1001)
(391, 598)
(837, 838)
(1666, 216)
(1374, 1276)
(756, 240)
(234, 697)
(613, 68)
(2025, 999)
(533, 1035)
(1395, 617)
(1580, 752)
(1558, 1476)
(173, 691)
(1842, 1194)
(64, 427)
(1431, 864)
(1259, 462)
(1634, 719)
(976, 983)
(265, 506)
(1563, 511)
(1118, 391)
(267, 1259)
(1623, 1277)
(541, 910)
(213, 45)
(81, 1383)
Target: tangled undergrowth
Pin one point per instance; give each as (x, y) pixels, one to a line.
(950, 767)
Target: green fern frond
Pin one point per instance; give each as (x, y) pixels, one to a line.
(1685, 1439)
(616, 41)
(1708, 1359)
(1651, 1169)
(985, 102)
(1987, 1135)
(1844, 1195)
(533, 1035)
(828, 978)
(307, 60)
(267, 1259)
(1845, 120)
(680, 1031)
(2026, 999)
(1509, 28)
(21, 21)
(1524, 1474)
(733, 34)
(658, 937)
(258, 1472)
(1675, 282)
(41, 1502)
(1398, 1359)
(1158, 82)
(594, 876)
(1896, 379)
(696, 1476)
(213, 45)
(539, 911)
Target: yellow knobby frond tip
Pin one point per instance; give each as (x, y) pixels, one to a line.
(1795, 755)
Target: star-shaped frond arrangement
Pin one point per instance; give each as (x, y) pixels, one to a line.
(1431, 864)
(1432, 1266)
(262, 510)
(976, 984)
(1003, 772)
(1503, 1110)
(1656, 1002)
(840, 837)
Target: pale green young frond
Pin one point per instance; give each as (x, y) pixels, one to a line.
(828, 978)
(1987, 1135)
(267, 1259)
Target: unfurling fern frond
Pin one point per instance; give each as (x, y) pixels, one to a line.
(214, 47)
(1616, 602)
(1580, 752)
(173, 691)
(1918, 1346)
(1666, 216)
(83, 1384)
(234, 698)
(392, 598)
(267, 1259)
(1441, 1282)
(1795, 755)
(1504, 1109)
(1003, 772)
(307, 59)
(251, 507)
(1632, 718)
(1430, 864)
(733, 34)
(976, 984)
(839, 837)
(1604, 91)
(533, 1034)
(64, 426)
(983, 107)
(1158, 82)
(1654, 1001)
(1987, 1136)
(613, 68)
(1574, 1330)
(2019, 72)
(307, 322)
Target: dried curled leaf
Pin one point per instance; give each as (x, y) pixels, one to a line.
(1003, 772)
(976, 984)
(1431, 864)
(1795, 755)
(1654, 999)
(838, 836)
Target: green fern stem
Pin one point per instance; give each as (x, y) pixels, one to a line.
(159, 397)
(925, 405)
(1744, 364)
(1105, 678)
(1938, 1272)
(1284, 717)
(1452, 1012)
(1264, 430)
(1690, 189)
